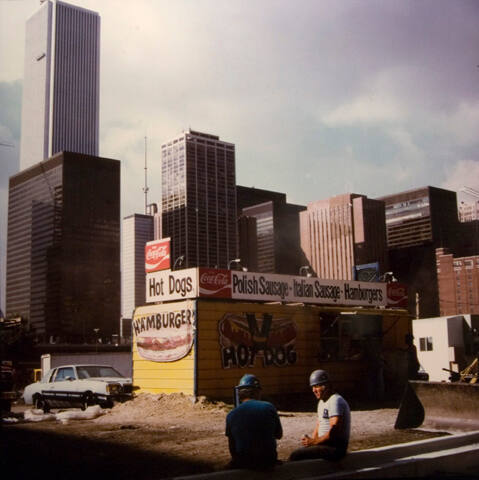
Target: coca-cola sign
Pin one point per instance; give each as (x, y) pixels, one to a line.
(157, 255)
(397, 295)
(214, 283)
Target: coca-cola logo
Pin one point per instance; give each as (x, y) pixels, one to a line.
(156, 252)
(397, 292)
(157, 256)
(397, 295)
(215, 283)
(214, 279)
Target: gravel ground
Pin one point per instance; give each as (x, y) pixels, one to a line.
(160, 436)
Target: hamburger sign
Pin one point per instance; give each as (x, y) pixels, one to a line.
(164, 333)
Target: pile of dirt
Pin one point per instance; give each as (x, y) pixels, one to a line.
(153, 408)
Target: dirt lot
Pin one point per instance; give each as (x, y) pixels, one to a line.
(161, 436)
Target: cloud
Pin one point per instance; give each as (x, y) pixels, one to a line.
(10, 99)
(462, 124)
(364, 110)
(463, 173)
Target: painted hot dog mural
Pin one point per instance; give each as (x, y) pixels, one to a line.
(245, 338)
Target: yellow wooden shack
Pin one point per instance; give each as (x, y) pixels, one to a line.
(202, 347)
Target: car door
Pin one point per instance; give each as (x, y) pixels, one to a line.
(61, 388)
(48, 389)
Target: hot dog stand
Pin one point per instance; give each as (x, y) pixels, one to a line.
(203, 329)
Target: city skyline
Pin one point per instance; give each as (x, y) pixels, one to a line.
(320, 99)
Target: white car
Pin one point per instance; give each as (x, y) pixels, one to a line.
(78, 386)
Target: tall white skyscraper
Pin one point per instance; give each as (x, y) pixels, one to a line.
(60, 107)
(137, 230)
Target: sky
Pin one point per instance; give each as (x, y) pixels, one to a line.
(320, 97)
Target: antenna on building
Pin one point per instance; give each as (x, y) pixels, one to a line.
(145, 188)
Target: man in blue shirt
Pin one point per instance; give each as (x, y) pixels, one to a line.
(252, 428)
(330, 438)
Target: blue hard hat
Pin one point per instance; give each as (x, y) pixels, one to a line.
(249, 381)
(318, 377)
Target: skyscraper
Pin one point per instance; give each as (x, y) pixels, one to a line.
(60, 106)
(63, 247)
(341, 232)
(199, 199)
(137, 230)
(458, 283)
(419, 221)
(277, 231)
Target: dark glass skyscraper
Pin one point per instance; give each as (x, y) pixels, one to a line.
(419, 221)
(277, 244)
(63, 247)
(199, 200)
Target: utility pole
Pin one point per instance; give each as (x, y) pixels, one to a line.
(417, 304)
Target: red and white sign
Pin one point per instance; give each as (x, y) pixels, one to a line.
(397, 295)
(157, 255)
(214, 283)
(268, 287)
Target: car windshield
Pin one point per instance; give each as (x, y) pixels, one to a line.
(87, 371)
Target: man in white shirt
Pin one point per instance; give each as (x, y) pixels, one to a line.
(330, 438)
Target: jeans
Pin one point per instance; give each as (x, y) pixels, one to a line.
(327, 452)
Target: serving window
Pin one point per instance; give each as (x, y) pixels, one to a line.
(345, 336)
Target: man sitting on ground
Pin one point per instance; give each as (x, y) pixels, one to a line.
(252, 428)
(330, 438)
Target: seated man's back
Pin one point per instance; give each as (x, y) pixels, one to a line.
(252, 429)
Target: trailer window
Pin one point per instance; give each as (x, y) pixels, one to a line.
(425, 344)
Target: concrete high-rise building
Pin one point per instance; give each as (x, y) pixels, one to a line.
(419, 221)
(342, 232)
(60, 106)
(469, 211)
(137, 230)
(468, 204)
(198, 205)
(277, 231)
(63, 247)
(458, 283)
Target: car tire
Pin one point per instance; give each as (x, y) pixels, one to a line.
(87, 400)
(40, 403)
(107, 404)
(5, 406)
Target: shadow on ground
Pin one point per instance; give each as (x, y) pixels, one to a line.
(30, 453)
